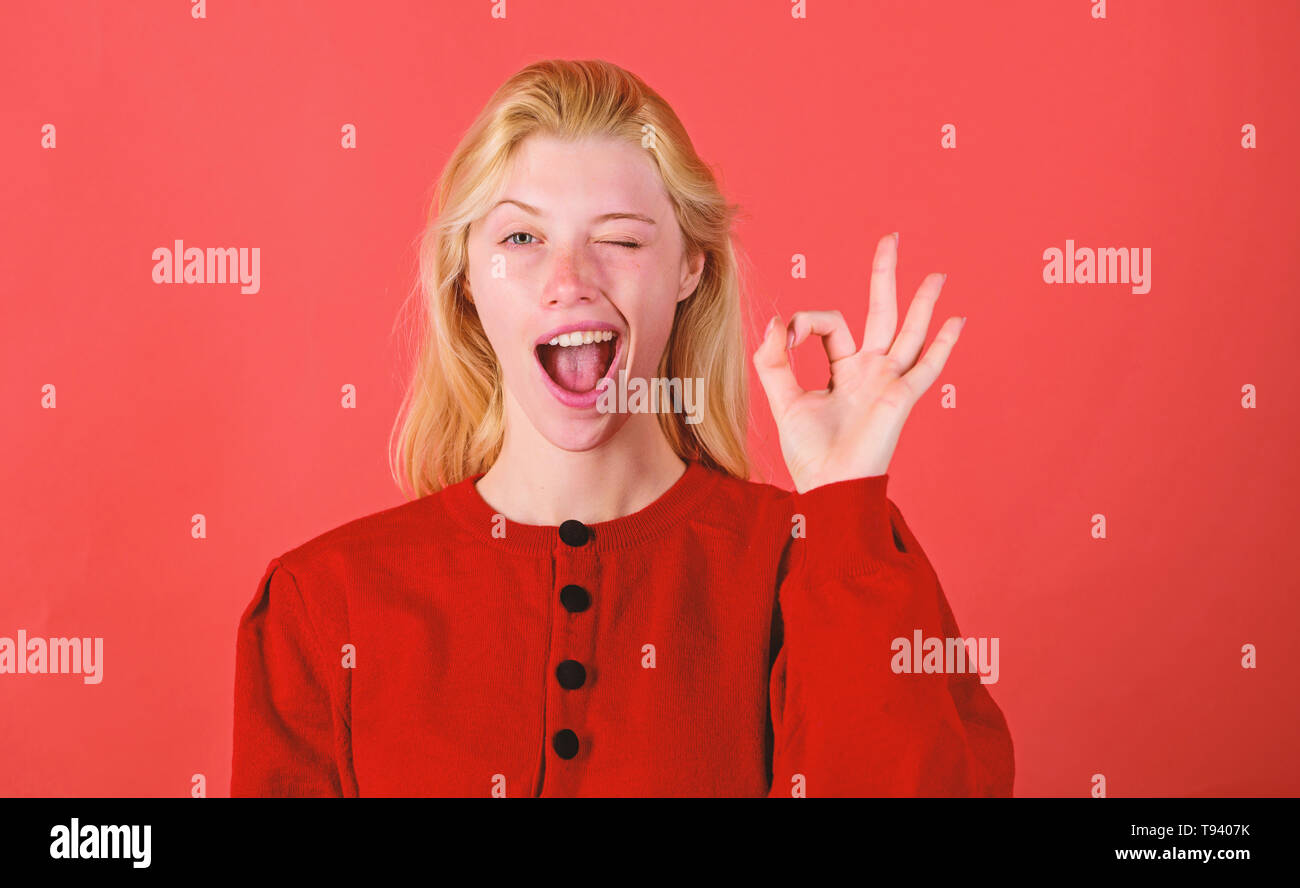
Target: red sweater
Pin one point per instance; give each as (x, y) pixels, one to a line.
(730, 639)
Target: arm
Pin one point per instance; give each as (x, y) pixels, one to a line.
(289, 734)
(841, 717)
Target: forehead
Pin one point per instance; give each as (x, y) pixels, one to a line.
(592, 173)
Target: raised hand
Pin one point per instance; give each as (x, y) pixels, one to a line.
(850, 428)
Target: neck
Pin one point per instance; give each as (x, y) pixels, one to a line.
(535, 482)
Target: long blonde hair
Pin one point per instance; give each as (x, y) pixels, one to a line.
(451, 422)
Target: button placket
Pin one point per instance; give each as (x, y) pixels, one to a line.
(573, 563)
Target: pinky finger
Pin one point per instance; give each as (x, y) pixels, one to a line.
(927, 370)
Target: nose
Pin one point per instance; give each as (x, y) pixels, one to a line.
(567, 283)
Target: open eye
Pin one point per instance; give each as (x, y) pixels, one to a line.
(516, 234)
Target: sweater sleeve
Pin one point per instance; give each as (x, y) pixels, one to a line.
(287, 724)
(844, 722)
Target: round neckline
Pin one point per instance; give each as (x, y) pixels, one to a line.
(674, 505)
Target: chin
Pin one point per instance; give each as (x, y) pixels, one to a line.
(577, 434)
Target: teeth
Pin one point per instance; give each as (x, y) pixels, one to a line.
(583, 337)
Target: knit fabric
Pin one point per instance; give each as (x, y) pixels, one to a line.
(730, 639)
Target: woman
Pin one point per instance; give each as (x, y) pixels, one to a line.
(587, 596)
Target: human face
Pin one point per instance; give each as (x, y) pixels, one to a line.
(581, 237)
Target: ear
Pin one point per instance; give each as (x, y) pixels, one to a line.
(692, 271)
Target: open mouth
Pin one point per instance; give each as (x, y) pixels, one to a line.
(577, 361)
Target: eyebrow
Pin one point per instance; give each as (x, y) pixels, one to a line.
(536, 212)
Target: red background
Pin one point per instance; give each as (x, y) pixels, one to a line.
(1119, 656)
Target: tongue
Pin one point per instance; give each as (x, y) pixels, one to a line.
(577, 367)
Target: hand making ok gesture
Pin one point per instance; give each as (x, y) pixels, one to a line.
(850, 428)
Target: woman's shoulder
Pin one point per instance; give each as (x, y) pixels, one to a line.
(746, 493)
(356, 545)
(746, 508)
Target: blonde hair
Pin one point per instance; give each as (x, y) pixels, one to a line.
(451, 422)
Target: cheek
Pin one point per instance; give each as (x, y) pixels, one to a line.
(498, 324)
(654, 325)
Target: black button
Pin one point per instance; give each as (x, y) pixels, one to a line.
(574, 533)
(565, 743)
(575, 599)
(571, 674)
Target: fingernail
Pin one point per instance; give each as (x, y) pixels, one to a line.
(943, 280)
(770, 324)
(963, 323)
(895, 238)
(789, 340)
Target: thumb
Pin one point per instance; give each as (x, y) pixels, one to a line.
(774, 372)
